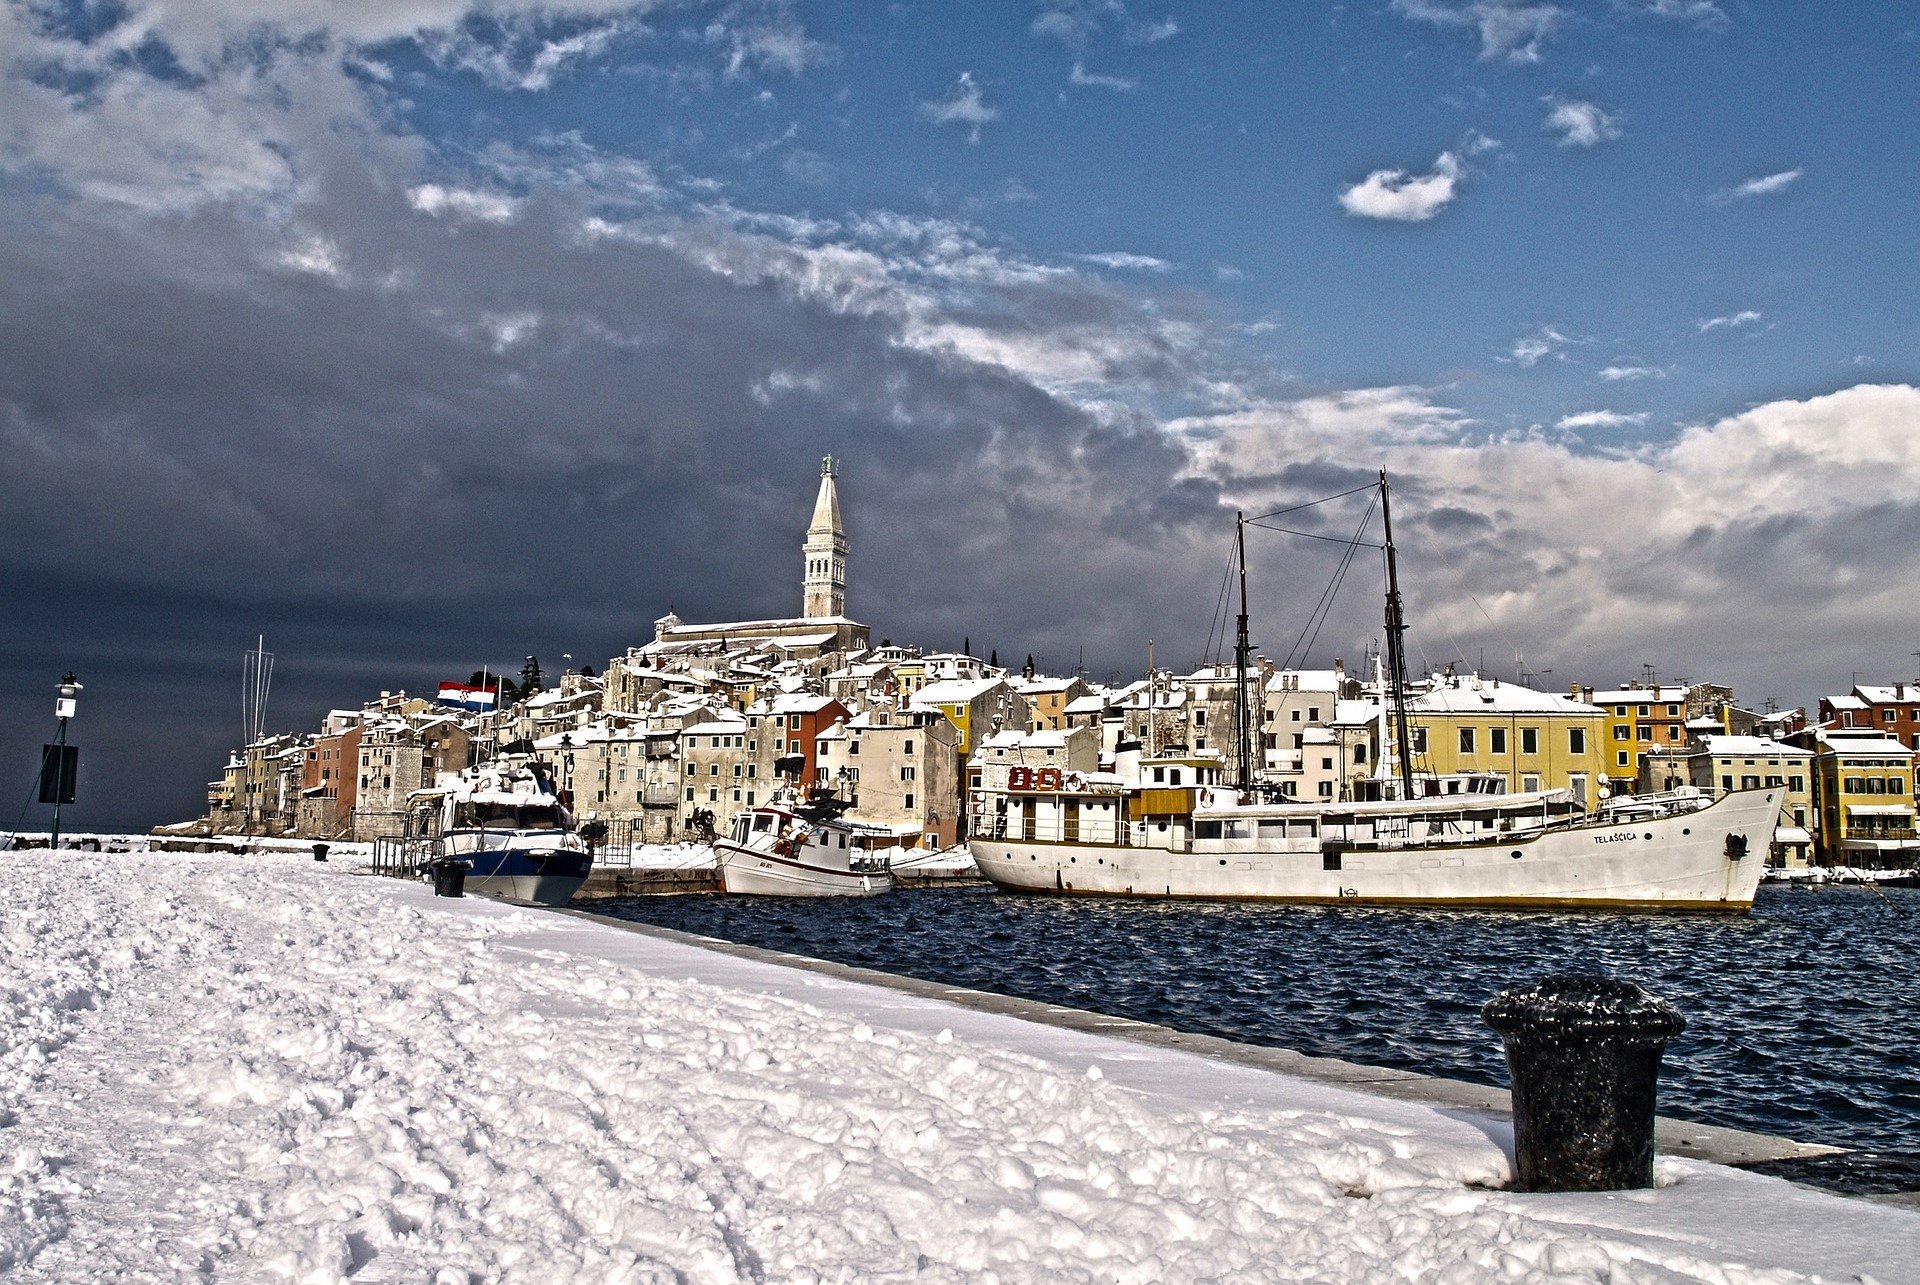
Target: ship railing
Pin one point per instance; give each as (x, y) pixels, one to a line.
(403, 857)
(1019, 829)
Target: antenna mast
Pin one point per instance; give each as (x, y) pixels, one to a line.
(1242, 706)
(1396, 648)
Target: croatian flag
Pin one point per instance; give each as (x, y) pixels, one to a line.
(463, 696)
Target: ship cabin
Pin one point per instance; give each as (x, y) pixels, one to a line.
(1148, 801)
(1332, 828)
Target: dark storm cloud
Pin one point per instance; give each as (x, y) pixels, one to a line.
(461, 441)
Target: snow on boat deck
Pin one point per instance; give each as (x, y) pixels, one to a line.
(260, 1068)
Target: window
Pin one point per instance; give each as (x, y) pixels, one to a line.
(1646, 732)
(909, 803)
(713, 794)
(737, 770)
(1294, 714)
(1673, 731)
(749, 798)
(1726, 782)
(1466, 740)
(1796, 783)
(1313, 713)
(1774, 782)
(689, 794)
(1620, 759)
(1749, 782)
(1621, 732)
(1418, 739)
(793, 721)
(1326, 789)
(1496, 740)
(1529, 740)
(1200, 718)
(853, 747)
(713, 769)
(907, 773)
(1159, 776)
(1360, 753)
(1576, 740)
(907, 748)
(1643, 710)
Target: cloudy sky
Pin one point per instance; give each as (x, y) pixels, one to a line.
(423, 334)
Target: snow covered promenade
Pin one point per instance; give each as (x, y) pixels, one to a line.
(261, 1068)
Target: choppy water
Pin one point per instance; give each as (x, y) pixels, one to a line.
(1802, 1017)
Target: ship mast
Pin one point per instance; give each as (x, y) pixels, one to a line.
(1242, 706)
(1396, 648)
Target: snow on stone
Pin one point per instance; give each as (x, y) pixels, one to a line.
(263, 1068)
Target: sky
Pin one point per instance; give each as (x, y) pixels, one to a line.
(423, 335)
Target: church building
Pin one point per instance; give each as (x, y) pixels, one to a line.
(821, 627)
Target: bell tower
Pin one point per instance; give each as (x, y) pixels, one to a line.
(825, 552)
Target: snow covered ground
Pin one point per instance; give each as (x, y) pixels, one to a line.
(259, 1068)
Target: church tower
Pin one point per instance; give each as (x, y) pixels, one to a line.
(826, 552)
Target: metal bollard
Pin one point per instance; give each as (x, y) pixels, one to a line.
(319, 852)
(1584, 1055)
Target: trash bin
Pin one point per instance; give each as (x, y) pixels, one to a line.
(1584, 1055)
(319, 852)
(449, 877)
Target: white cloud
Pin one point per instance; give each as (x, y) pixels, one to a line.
(1151, 33)
(964, 104)
(1601, 419)
(1122, 260)
(1628, 370)
(1701, 13)
(1764, 186)
(1731, 321)
(1395, 194)
(1510, 31)
(1081, 76)
(1545, 341)
(1581, 124)
(481, 207)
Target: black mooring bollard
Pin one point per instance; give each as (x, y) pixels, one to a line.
(319, 852)
(1584, 1055)
(449, 877)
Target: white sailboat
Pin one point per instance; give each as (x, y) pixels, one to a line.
(1170, 826)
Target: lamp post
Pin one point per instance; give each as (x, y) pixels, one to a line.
(58, 761)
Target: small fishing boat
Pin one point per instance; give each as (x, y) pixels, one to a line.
(787, 848)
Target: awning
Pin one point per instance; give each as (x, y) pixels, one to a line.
(1879, 810)
(1791, 834)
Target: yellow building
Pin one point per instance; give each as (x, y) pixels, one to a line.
(1640, 721)
(1535, 740)
(1863, 793)
(977, 708)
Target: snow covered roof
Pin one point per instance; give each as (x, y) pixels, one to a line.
(1903, 692)
(1305, 680)
(1026, 740)
(1844, 740)
(1846, 702)
(1749, 746)
(1460, 695)
(1350, 713)
(722, 725)
(1659, 694)
(802, 703)
(955, 691)
(1090, 704)
(1040, 684)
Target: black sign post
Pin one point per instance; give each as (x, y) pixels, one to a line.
(60, 762)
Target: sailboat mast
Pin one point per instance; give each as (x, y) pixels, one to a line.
(1396, 648)
(1242, 706)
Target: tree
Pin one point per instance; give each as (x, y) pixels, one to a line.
(531, 679)
(587, 671)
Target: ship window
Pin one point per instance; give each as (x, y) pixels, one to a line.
(1329, 860)
(1238, 830)
(1159, 776)
(1206, 829)
(1175, 778)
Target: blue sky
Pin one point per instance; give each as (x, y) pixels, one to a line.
(1216, 140)
(425, 334)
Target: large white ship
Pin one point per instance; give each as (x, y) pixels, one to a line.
(1168, 825)
(1119, 834)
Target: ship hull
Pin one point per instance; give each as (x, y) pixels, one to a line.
(539, 878)
(751, 873)
(1675, 863)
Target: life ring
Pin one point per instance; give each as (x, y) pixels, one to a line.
(1048, 778)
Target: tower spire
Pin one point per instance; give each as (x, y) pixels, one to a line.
(825, 550)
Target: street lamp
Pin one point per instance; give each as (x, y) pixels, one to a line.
(59, 762)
